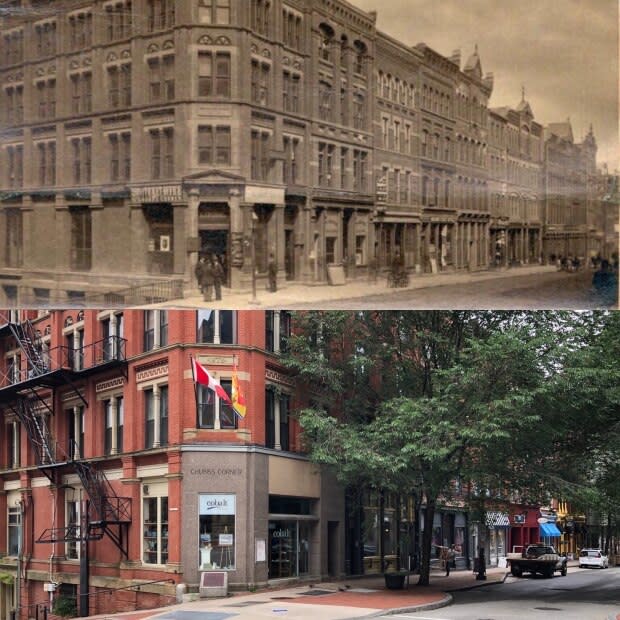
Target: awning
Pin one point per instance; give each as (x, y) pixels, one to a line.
(549, 530)
(497, 519)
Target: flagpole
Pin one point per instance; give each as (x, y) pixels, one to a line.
(191, 359)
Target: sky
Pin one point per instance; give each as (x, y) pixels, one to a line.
(563, 52)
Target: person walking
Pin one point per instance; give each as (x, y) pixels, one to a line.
(198, 272)
(218, 277)
(450, 558)
(207, 280)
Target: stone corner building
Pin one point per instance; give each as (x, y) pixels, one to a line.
(137, 134)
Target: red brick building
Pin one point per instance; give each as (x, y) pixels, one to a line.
(104, 437)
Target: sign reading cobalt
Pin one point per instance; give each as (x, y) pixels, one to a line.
(217, 504)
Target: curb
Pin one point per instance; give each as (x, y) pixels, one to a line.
(483, 584)
(448, 599)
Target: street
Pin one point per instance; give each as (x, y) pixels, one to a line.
(584, 594)
(549, 290)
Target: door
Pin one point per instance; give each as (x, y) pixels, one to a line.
(289, 254)
(332, 548)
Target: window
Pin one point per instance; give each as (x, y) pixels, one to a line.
(344, 176)
(81, 93)
(120, 157)
(217, 326)
(75, 432)
(81, 238)
(277, 330)
(260, 82)
(276, 419)
(118, 20)
(14, 104)
(359, 111)
(46, 161)
(13, 251)
(14, 530)
(12, 445)
(80, 31)
(291, 157)
(155, 537)
(360, 168)
(72, 521)
(214, 145)
(119, 85)
(155, 329)
(261, 155)
(326, 40)
(325, 101)
(326, 163)
(160, 14)
(162, 153)
(45, 39)
(214, 11)
(217, 533)
(81, 152)
(291, 29)
(260, 16)
(112, 328)
(156, 417)
(360, 250)
(290, 92)
(214, 83)
(161, 79)
(114, 421)
(13, 47)
(360, 57)
(46, 99)
(213, 412)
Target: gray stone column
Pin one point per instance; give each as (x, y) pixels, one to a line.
(99, 260)
(190, 285)
(139, 240)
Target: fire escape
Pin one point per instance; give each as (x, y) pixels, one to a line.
(40, 370)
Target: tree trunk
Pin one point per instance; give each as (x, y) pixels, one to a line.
(427, 541)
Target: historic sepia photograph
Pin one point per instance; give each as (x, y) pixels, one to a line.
(284, 152)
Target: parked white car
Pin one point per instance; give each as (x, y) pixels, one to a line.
(593, 557)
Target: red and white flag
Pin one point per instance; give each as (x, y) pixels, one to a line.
(202, 376)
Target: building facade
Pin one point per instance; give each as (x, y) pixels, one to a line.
(115, 463)
(515, 164)
(138, 134)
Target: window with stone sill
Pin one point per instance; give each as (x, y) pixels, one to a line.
(156, 417)
(217, 326)
(213, 412)
(214, 12)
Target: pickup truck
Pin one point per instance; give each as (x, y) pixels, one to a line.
(539, 558)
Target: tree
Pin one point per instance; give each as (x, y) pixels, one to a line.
(410, 400)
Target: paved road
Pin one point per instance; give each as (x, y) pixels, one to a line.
(555, 290)
(584, 594)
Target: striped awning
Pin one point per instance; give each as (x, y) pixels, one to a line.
(497, 519)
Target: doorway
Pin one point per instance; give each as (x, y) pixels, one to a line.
(215, 242)
(332, 548)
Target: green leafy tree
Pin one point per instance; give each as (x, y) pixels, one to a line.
(407, 401)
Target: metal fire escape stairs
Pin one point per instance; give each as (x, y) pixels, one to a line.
(106, 514)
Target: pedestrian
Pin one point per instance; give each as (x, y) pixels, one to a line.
(272, 269)
(198, 272)
(218, 276)
(450, 559)
(206, 280)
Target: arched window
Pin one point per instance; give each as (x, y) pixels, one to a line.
(380, 84)
(326, 39)
(424, 143)
(360, 57)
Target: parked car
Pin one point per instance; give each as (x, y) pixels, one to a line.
(593, 557)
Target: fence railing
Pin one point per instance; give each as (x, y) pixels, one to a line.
(149, 293)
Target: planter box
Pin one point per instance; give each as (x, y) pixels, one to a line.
(395, 580)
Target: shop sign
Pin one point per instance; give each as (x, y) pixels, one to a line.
(226, 540)
(519, 518)
(157, 193)
(281, 533)
(216, 471)
(217, 504)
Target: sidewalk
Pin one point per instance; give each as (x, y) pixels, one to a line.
(291, 294)
(342, 600)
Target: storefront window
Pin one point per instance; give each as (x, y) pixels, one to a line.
(289, 545)
(217, 532)
(155, 517)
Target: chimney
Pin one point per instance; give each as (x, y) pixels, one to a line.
(456, 58)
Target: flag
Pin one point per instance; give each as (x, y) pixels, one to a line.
(202, 377)
(238, 399)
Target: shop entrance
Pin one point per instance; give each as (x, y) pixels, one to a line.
(289, 547)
